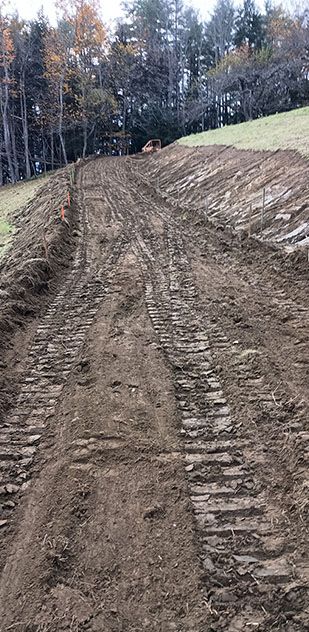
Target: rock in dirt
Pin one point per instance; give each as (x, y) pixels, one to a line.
(156, 511)
(189, 468)
(11, 489)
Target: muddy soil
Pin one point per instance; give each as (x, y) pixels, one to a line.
(154, 463)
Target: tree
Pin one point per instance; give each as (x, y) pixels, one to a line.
(6, 84)
(220, 29)
(58, 43)
(249, 27)
(88, 48)
(73, 89)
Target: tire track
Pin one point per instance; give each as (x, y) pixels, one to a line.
(235, 522)
(52, 355)
(252, 576)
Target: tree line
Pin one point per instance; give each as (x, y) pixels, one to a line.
(73, 89)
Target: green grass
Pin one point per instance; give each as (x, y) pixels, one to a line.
(12, 198)
(288, 130)
(5, 232)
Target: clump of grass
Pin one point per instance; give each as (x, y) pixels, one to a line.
(6, 230)
(5, 227)
(287, 130)
(14, 197)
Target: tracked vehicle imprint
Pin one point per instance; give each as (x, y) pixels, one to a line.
(177, 513)
(58, 342)
(237, 530)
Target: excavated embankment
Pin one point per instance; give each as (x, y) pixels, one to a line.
(263, 194)
(41, 253)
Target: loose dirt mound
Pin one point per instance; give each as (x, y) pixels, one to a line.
(227, 185)
(42, 248)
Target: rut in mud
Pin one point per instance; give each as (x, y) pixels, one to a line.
(154, 464)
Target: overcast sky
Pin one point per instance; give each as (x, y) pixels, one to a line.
(110, 8)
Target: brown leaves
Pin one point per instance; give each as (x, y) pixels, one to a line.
(7, 54)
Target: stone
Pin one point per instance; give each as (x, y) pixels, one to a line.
(189, 468)
(245, 559)
(208, 565)
(11, 489)
(27, 451)
(10, 504)
(34, 439)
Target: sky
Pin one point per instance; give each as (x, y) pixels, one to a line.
(110, 8)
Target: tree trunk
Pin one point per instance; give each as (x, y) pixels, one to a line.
(1, 166)
(5, 123)
(52, 152)
(15, 159)
(85, 138)
(177, 61)
(23, 109)
(60, 131)
(43, 152)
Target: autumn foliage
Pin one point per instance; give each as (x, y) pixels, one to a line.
(74, 88)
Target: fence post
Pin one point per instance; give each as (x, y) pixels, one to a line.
(45, 244)
(250, 218)
(263, 208)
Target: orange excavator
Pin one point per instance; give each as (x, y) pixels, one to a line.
(152, 146)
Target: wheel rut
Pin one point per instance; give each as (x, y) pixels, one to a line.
(58, 341)
(245, 550)
(235, 525)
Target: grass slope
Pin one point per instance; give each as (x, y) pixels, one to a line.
(12, 198)
(288, 130)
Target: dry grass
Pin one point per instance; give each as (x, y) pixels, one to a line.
(288, 130)
(14, 197)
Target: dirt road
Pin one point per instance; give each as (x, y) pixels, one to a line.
(155, 462)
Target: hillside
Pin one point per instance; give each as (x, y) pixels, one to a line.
(13, 198)
(252, 177)
(154, 403)
(288, 130)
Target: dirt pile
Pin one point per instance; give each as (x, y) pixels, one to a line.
(43, 245)
(264, 194)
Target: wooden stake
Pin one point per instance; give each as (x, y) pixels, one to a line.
(263, 208)
(250, 218)
(45, 245)
(62, 213)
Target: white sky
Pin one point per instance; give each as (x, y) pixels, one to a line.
(110, 8)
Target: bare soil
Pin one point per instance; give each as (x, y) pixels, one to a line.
(29, 272)
(259, 194)
(154, 457)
